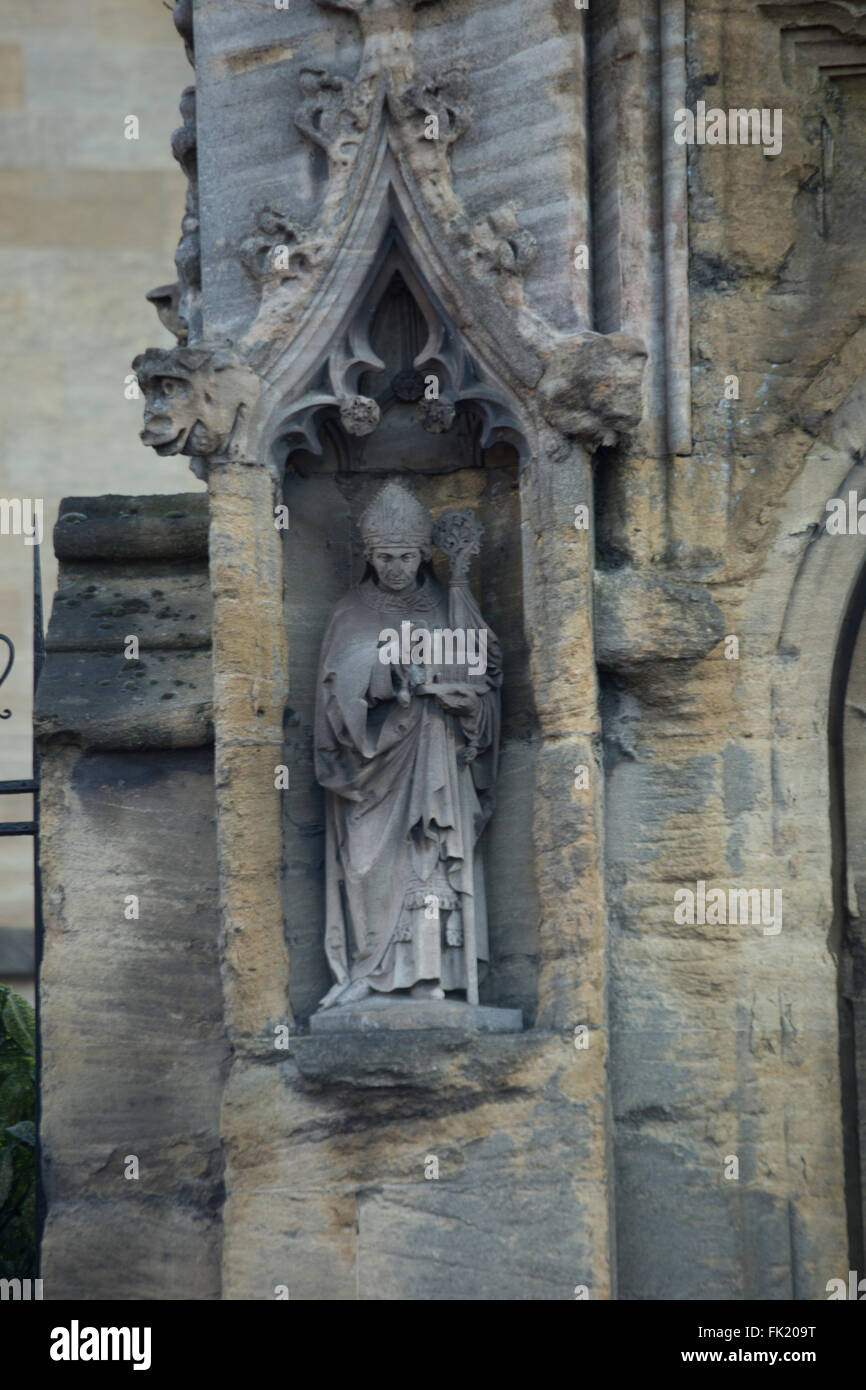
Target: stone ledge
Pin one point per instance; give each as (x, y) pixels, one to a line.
(385, 1013)
(129, 566)
(119, 529)
(165, 606)
(443, 1060)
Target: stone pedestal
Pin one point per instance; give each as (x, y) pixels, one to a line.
(400, 1013)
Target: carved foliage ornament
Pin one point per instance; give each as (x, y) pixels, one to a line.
(443, 96)
(280, 252)
(333, 113)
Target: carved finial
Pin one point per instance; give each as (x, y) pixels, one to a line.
(458, 535)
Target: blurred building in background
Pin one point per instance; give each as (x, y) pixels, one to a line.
(90, 205)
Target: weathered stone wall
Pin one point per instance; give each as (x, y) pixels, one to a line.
(352, 1125)
(712, 1124)
(133, 1042)
(725, 1041)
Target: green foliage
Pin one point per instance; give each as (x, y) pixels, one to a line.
(17, 1137)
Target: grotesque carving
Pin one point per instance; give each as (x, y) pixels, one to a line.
(406, 741)
(195, 399)
(591, 389)
(178, 306)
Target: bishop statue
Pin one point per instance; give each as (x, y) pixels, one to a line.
(406, 747)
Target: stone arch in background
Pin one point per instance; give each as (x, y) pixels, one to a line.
(847, 745)
(819, 738)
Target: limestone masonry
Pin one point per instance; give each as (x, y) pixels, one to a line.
(470, 247)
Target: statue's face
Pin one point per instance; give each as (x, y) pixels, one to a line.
(395, 566)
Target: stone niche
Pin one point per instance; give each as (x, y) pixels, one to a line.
(347, 259)
(326, 489)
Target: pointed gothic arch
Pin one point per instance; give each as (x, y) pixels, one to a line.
(317, 358)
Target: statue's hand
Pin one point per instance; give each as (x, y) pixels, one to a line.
(453, 696)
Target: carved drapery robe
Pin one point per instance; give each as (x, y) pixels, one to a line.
(404, 813)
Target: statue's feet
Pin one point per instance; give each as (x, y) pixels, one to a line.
(356, 991)
(427, 989)
(351, 993)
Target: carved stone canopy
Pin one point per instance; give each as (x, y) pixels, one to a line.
(443, 358)
(389, 206)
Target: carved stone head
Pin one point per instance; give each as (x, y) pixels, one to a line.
(192, 398)
(398, 534)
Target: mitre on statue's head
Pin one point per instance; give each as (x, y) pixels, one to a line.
(396, 517)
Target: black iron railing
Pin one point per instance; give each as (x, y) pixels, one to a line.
(27, 785)
(22, 787)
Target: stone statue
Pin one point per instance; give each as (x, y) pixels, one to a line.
(406, 747)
